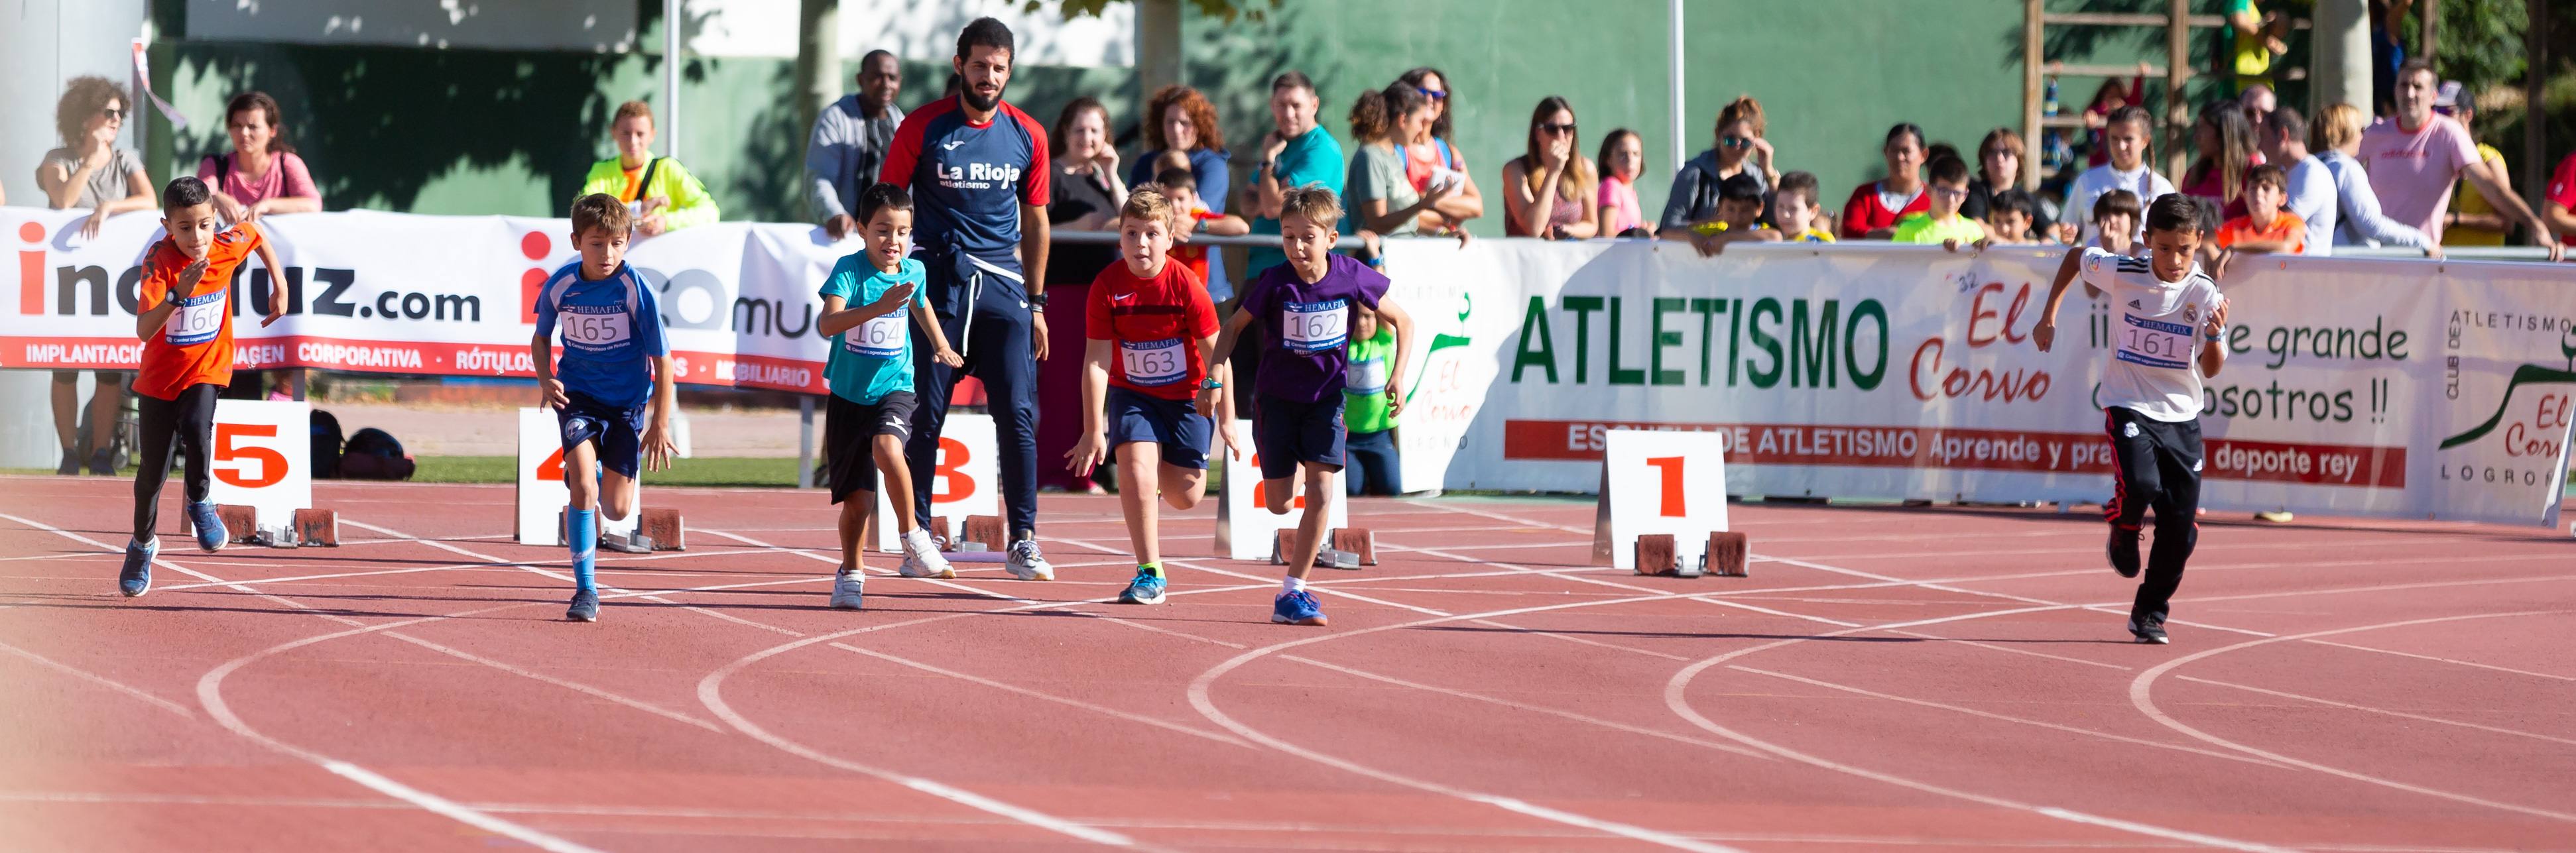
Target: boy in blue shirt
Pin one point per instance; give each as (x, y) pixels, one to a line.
(870, 371)
(1305, 308)
(616, 367)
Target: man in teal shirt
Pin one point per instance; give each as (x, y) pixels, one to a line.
(1300, 153)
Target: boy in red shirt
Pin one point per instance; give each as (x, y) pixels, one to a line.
(2265, 227)
(1153, 333)
(186, 326)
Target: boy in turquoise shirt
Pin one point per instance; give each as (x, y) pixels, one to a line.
(1371, 464)
(870, 373)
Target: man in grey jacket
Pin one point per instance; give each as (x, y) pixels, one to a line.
(850, 141)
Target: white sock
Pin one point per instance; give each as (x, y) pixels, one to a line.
(1292, 584)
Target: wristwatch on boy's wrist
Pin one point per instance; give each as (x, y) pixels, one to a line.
(1210, 384)
(1037, 301)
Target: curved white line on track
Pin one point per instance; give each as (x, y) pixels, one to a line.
(211, 699)
(1675, 697)
(2141, 694)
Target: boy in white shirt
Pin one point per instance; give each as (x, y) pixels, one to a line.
(2170, 316)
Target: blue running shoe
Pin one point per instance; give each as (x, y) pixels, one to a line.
(211, 534)
(136, 578)
(585, 606)
(1147, 588)
(1297, 608)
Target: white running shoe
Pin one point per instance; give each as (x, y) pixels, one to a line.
(847, 590)
(921, 557)
(1026, 563)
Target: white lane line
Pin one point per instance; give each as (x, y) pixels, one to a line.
(2142, 690)
(100, 680)
(209, 696)
(1096, 545)
(2383, 711)
(2212, 753)
(1068, 701)
(1523, 706)
(2472, 664)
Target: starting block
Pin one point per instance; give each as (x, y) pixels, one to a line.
(1350, 549)
(1358, 542)
(663, 527)
(1658, 554)
(320, 527)
(1727, 554)
(939, 533)
(241, 523)
(632, 537)
(984, 533)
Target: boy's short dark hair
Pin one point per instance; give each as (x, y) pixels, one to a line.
(1949, 170)
(184, 191)
(2176, 212)
(1742, 187)
(2016, 201)
(882, 196)
(1176, 177)
(2116, 203)
(2268, 174)
(1802, 185)
(602, 211)
(985, 32)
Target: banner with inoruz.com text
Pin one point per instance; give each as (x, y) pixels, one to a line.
(2407, 389)
(437, 295)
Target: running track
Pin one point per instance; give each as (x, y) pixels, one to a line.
(1916, 679)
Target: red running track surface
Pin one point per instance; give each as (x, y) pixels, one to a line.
(1888, 679)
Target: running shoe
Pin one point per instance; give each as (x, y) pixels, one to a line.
(848, 590)
(136, 578)
(2153, 635)
(102, 464)
(2124, 551)
(1146, 588)
(211, 534)
(2275, 516)
(921, 558)
(70, 466)
(1026, 563)
(585, 606)
(1297, 608)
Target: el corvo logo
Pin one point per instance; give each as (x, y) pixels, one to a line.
(1441, 341)
(2529, 374)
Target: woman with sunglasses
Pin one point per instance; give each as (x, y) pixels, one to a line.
(1874, 207)
(262, 174)
(1549, 189)
(1740, 150)
(1430, 159)
(89, 171)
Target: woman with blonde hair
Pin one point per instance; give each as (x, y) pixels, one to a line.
(1549, 188)
(1739, 150)
(2334, 140)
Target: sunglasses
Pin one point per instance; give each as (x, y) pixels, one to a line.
(1434, 94)
(1735, 141)
(112, 113)
(1553, 127)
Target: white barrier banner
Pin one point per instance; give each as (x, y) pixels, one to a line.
(2410, 389)
(438, 295)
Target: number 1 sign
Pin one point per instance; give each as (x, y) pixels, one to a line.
(262, 458)
(1658, 481)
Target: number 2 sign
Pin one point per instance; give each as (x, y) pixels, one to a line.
(1659, 481)
(1245, 528)
(262, 458)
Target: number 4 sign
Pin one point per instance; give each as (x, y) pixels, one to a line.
(1245, 527)
(262, 458)
(542, 497)
(1658, 481)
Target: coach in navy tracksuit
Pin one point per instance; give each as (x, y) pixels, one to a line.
(977, 168)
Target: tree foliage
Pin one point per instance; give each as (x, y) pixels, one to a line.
(1226, 10)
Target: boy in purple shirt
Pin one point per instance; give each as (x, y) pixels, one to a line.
(1304, 307)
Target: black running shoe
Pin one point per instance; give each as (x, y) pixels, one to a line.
(2124, 551)
(2149, 634)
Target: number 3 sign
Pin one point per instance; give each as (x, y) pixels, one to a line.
(967, 481)
(1658, 481)
(262, 458)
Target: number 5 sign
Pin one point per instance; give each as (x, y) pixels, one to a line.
(262, 458)
(542, 497)
(967, 480)
(1658, 481)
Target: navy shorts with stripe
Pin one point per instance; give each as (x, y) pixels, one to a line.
(1289, 432)
(1176, 425)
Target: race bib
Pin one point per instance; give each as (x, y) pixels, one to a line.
(1152, 363)
(1313, 327)
(881, 337)
(197, 319)
(2154, 343)
(1365, 377)
(595, 331)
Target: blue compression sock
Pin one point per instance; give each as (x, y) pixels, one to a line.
(581, 532)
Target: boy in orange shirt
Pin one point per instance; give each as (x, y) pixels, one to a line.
(186, 326)
(1190, 215)
(2265, 227)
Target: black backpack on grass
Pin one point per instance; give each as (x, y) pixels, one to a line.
(327, 440)
(373, 454)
